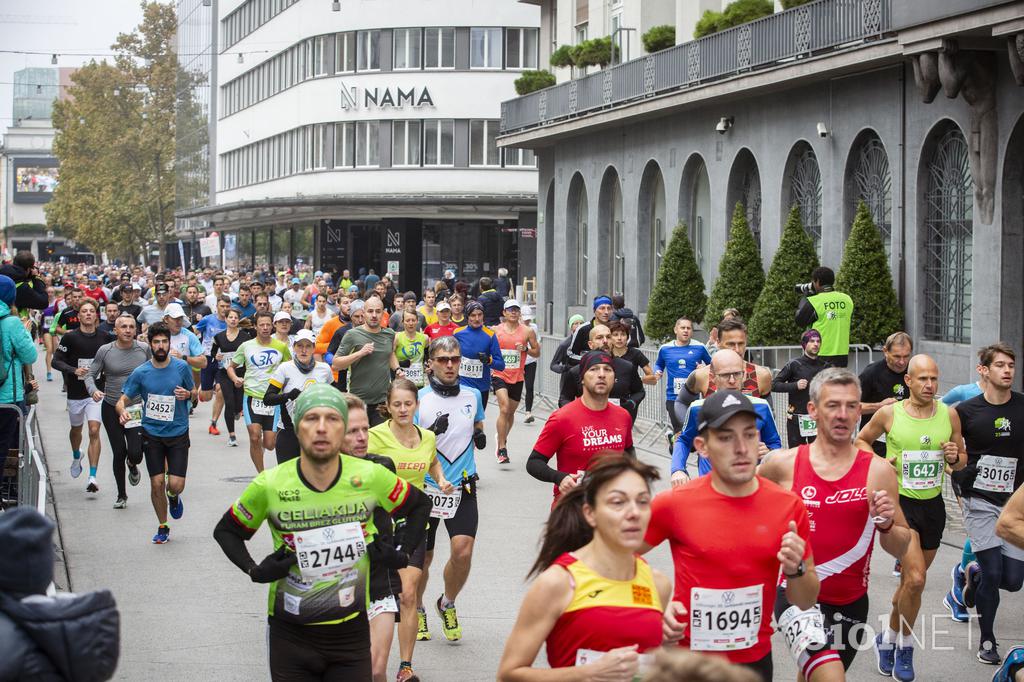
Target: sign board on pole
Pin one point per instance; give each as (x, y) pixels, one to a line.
(392, 267)
(209, 247)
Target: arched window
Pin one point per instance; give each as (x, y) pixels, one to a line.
(745, 188)
(611, 233)
(871, 182)
(653, 232)
(805, 191)
(576, 240)
(948, 239)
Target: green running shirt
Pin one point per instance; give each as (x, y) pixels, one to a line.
(915, 447)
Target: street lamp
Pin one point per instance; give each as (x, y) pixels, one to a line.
(53, 59)
(336, 6)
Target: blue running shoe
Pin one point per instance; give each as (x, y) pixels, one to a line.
(971, 582)
(959, 580)
(1014, 656)
(886, 655)
(175, 506)
(903, 669)
(163, 535)
(957, 611)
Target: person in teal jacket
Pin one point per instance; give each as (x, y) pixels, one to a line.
(16, 349)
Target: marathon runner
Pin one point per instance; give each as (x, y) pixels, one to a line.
(287, 382)
(225, 343)
(320, 511)
(414, 452)
(677, 359)
(408, 304)
(1010, 528)
(166, 387)
(209, 326)
(444, 326)
(481, 353)
(530, 370)
(516, 341)
(595, 605)
(922, 438)
(367, 352)
(260, 357)
(849, 494)
(67, 319)
(114, 362)
(995, 470)
(757, 380)
(620, 348)
(726, 576)
(75, 352)
(883, 382)
(50, 313)
(410, 347)
(794, 379)
(576, 432)
(603, 310)
(455, 414)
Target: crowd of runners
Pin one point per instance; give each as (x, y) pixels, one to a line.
(364, 414)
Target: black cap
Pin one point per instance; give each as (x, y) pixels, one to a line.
(592, 358)
(723, 406)
(162, 288)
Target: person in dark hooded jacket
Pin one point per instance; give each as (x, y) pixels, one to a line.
(492, 302)
(65, 637)
(627, 316)
(31, 289)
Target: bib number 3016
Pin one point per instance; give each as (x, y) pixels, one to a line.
(324, 553)
(725, 620)
(996, 474)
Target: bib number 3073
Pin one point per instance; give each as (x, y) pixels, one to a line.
(324, 553)
(725, 620)
(996, 474)
(444, 506)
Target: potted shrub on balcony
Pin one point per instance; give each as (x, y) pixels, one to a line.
(593, 52)
(736, 13)
(659, 38)
(562, 57)
(531, 81)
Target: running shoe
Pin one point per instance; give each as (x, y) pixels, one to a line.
(232, 442)
(959, 580)
(163, 535)
(449, 621)
(214, 431)
(175, 506)
(76, 467)
(503, 456)
(92, 487)
(903, 668)
(897, 569)
(422, 632)
(971, 581)
(133, 474)
(405, 674)
(121, 503)
(1014, 656)
(957, 611)
(49, 376)
(885, 654)
(529, 418)
(988, 653)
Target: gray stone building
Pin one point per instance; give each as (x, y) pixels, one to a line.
(915, 107)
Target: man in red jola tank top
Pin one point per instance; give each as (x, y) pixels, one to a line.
(730, 534)
(849, 494)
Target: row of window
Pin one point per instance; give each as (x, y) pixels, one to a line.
(357, 144)
(248, 17)
(412, 49)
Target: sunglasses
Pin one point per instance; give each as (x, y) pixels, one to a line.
(448, 359)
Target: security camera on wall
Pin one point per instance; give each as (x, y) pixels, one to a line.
(822, 130)
(724, 124)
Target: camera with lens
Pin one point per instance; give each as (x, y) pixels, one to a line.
(805, 289)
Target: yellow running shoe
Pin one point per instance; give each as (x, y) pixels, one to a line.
(422, 632)
(449, 621)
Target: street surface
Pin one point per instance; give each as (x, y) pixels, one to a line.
(188, 614)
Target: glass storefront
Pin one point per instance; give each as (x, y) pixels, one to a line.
(261, 246)
(470, 249)
(282, 237)
(303, 245)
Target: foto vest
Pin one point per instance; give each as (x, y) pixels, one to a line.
(835, 313)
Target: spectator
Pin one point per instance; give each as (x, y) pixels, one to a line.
(830, 312)
(65, 637)
(491, 301)
(449, 281)
(503, 285)
(625, 315)
(31, 290)
(370, 281)
(16, 350)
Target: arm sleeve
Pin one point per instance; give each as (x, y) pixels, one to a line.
(274, 395)
(215, 348)
(94, 370)
(232, 538)
(770, 434)
(538, 466)
(416, 512)
(60, 361)
(805, 314)
(636, 388)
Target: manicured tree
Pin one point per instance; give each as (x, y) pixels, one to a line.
(773, 323)
(531, 81)
(740, 277)
(864, 275)
(678, 289)
(659, 38)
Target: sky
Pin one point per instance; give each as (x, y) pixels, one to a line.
(57, 26)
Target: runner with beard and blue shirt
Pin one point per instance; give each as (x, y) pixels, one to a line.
(677, 359)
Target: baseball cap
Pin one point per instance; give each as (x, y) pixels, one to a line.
(136, 287)
(511, 303)
(443, 305)
(722, 406)
(173, 310)
(282, 316)
(304, 335)
(296, 280)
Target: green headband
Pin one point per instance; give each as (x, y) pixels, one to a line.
(320, 395)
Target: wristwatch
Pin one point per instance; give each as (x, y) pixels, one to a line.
(800, 569)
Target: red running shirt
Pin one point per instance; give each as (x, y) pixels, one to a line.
(574, 433)
(605, 614)
(841, 527)
(437, 329)
(723, 547)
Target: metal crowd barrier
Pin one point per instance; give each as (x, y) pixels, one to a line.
(28, 485)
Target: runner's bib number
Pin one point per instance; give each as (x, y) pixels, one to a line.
(922, 469)
(134, 416)
(160, 407)
(803, 629)
(996, 474)
(444, 506)
(327, 552)
(512, 358)
(261, 408)
(808, 426)
(677, 384)
(85, 363)
(471, 369)
(587, 656)
(414, 372)
(725, 620)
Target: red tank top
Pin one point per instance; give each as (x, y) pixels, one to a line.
(842, 532)
(605, 614)
(750, 386)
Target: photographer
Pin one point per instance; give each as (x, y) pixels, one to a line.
(829, 312)
(30, 287)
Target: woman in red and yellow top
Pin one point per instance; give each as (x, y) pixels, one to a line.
(596, 604)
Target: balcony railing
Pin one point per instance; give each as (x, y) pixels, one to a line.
(810, 29)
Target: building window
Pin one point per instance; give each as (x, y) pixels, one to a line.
(485, 48)
(318, 146)
(581, 33)
(439, 143)
(368, 51)
(582, 259)
(805, 192)
(700, 217)
(345, 52)
(483, 147)
(367, 153)
(750, 195)
(408, 48)
(320, 55)
(520, 158)
(439, 48)
(406, 143)
(872, 184)
(521, 48)
(344, 145)
(948, 241)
